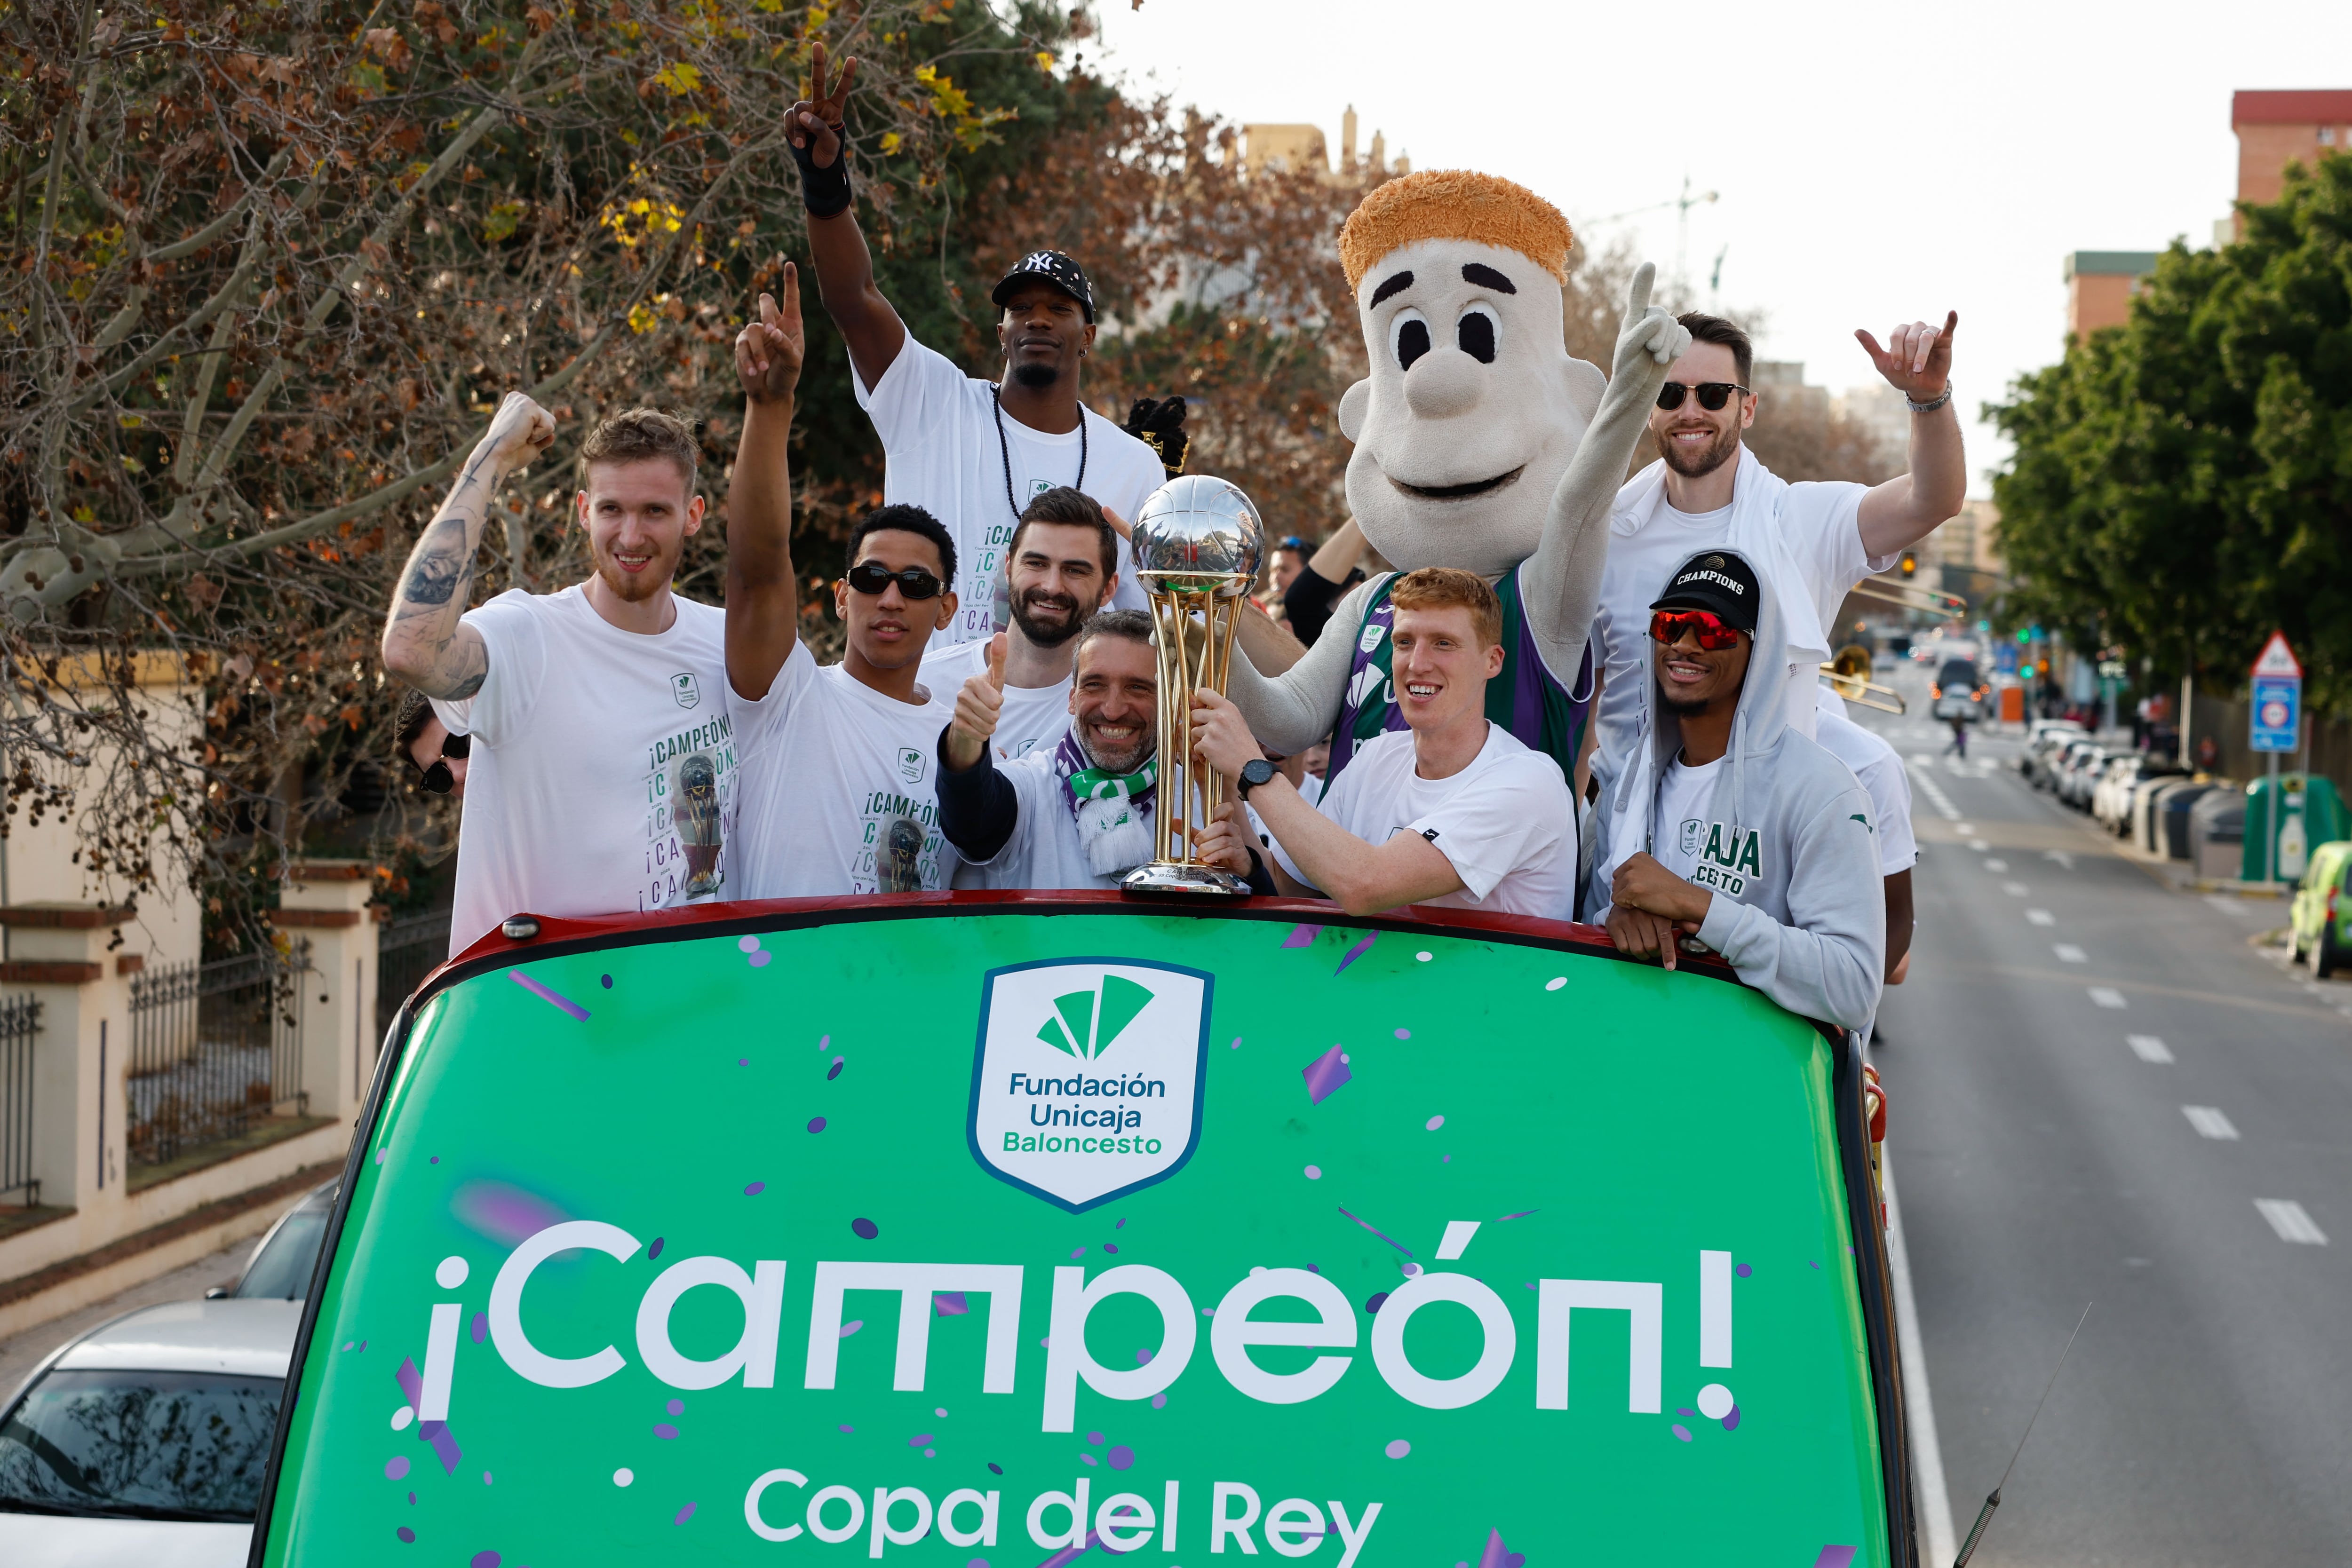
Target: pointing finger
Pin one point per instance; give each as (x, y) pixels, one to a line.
(1638, 300)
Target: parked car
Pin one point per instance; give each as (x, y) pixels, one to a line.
(2076, 767)
(1959, 692)
(143, 1443)
(2043, 739)
(2120, 773)
(281, 1267)
(2318, 931)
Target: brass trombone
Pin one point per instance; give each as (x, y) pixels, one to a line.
(1912, 597)
(1862, 692)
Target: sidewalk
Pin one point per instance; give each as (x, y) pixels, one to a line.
(20, 1354)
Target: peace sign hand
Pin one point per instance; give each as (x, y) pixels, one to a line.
(1917, 361)
(815, 121)
(768, 351)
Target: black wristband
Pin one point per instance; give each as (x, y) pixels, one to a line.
(823, 192)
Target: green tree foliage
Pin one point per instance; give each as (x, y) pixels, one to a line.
(2183, 483)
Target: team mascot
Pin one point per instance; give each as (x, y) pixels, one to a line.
(1480, 445)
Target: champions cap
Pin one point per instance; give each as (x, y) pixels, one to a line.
(1047, 266)
(1719, 582)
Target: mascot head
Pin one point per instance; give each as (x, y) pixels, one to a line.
(1474, 407)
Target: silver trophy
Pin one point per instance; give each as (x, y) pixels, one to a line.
(1197, 546)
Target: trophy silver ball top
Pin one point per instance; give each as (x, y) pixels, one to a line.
(1198, 534)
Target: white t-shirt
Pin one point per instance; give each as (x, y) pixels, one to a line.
(1880, 771)
(939, 430)
(1679, 828)
(602, 774)
(840, 787)
(1821, 523)
(1033, 719)
(1506, 821)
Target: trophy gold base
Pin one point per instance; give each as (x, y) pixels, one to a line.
(1166, 877)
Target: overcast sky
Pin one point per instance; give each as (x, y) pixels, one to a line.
(1876, 163)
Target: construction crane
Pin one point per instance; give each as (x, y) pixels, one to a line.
(1682, 205)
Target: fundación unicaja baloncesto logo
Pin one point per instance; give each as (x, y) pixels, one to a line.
(1087, 1076)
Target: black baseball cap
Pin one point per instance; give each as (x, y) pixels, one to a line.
(1718, 580)
(1047, 266)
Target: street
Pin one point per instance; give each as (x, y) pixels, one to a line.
(2102, 1093)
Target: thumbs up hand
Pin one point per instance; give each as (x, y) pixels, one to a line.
(979, 706)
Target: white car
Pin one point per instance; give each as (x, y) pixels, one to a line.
(143, 1443)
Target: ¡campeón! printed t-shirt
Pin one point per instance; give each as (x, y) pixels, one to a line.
(602, 774)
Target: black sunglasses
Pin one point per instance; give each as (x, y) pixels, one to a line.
(872, 577)
(438, 778)
(1711, 395)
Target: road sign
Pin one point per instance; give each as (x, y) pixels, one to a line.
(2277, 705)
(2277, 698)
(2278, 659)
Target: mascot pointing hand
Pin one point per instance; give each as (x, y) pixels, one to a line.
(1480, 445)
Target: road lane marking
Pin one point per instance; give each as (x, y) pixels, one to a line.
(2149, 1047)
(1936, 796)
(2287, 1217)
(2107, 996)
(1966, 829)
(2064, 859)
(2014, 889)
(2210, 1122)
(2070, 954)
(2041, 917)
(1979, 846)
(1996, 866)
(2228, 905)
(1926, 1450)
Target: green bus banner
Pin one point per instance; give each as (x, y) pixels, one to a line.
(1003, 1235)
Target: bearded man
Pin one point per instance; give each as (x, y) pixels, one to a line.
(1060, 567)
(1080, 814)
(586, 707)
(1811, 542)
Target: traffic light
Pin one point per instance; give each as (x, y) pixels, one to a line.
(1910, 562)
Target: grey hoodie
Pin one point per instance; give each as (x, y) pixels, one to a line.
(1808, 927)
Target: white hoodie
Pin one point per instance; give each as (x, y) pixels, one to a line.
(1808, 927)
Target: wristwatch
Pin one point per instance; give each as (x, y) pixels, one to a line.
(1255, 772)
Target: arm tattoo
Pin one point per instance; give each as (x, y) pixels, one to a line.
(435, 578)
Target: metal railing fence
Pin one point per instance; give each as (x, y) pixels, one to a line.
(214, 1047)
(20, 1026)
(407, 951)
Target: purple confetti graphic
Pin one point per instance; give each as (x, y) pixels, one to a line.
(755, 1189)
(607, 980)
(1743, 1270)
(1495, 1555)
(865, 1228)
(395, 1469)
(1096, 1439)
(654, 1251)
(503, 1212)
(1078, 1252)
(1731, 1419)
(816, 1123)
(1356, 952)
(1070, 1553)
(1681, 1431)
(1121, 1458)
(481, 1328)
(1143, 1357)
(1110, 1246)
(1324, 1075)
(544, 995)
(834, 1070)
(1404, 1034)
(1398, 1449)
(950, 1304)
(1389, 1239)
(1836, 1557)
(683, 1514)
(1521, 1214)
(434, 1433)
(747, 944)
(1160, 1402)
(484, 1560)
(851, 1327)
(665, 1432)
(1302, 936)
(676, 1408)
(406, 1535)
(1087, 1458)
(1372, 1303)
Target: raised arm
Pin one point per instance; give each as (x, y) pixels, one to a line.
(425, 643)
(1562, 581)
(764, 597)
(1917, 362)
(845, 269)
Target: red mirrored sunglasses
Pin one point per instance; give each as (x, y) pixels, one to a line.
(1712, 632)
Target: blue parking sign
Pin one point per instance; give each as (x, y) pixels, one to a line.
(2277, 713)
